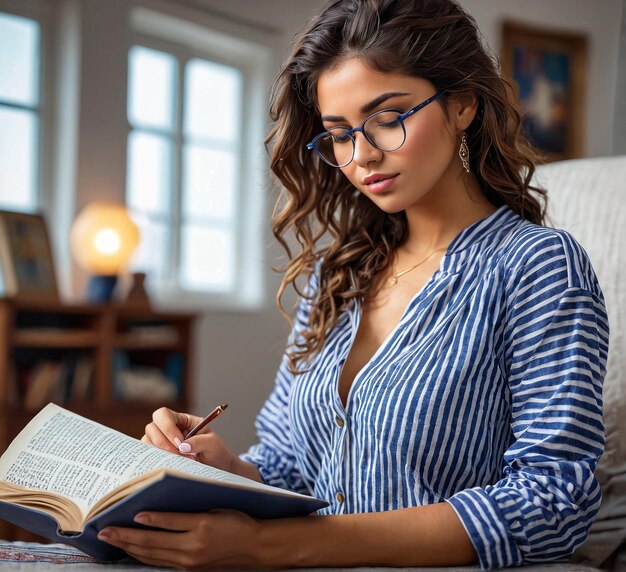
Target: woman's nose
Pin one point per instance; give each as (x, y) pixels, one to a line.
(364, 151)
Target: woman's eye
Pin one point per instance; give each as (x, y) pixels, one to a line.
(341, 137)
(389, 124)
(385, 120)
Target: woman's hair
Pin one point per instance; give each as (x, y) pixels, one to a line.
(335, 226)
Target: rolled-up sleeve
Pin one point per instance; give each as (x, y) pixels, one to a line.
(556, 340)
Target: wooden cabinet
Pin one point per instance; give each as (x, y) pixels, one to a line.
(112, 363)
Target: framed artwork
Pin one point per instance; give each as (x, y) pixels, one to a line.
(549, 71)
(26, 256)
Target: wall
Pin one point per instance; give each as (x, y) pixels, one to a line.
(236, 354)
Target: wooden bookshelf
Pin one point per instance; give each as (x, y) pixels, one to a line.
(116, 346)
(33, 338)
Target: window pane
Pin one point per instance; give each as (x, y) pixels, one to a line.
(212, 100)
(152, 255)
(209, 183)
(19, 60)
(18, 159)
(151, 85)
(149, 172)
(207, 261)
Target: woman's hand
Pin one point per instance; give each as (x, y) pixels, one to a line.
(221, 538)
(428, 535)
(168, 429)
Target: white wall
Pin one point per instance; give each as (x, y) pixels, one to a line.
(236, 354)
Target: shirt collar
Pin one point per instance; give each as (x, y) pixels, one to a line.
(482, 229)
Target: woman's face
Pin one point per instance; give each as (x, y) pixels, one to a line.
(426, 168)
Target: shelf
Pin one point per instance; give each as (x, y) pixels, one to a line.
(123, 342)
(53, 306)
(83, 340)
(55, 338)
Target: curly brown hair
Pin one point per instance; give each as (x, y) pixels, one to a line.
(432, 39)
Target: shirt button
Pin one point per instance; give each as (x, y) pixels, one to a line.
(339, 421)
(340, 498)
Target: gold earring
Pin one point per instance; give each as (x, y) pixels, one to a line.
(464, 152)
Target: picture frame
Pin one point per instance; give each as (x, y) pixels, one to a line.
(26, 260)
(548, 69)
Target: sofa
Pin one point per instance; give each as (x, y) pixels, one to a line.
(587, 197)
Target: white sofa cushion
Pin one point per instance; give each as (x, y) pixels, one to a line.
(587, 197)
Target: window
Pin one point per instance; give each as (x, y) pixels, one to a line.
(197, 170)
(183, 178)
(20, 112)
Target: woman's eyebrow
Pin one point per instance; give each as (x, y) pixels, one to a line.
(368, 106)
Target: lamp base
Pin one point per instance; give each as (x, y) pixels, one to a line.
(100, 288)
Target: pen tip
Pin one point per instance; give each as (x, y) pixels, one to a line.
(224, 406)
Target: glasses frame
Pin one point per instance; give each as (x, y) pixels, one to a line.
(312, 145)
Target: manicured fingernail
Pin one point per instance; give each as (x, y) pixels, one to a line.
(142, 518)
(177, 441)
(184, 448)
(104, 535)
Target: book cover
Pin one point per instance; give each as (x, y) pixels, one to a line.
(54, 486)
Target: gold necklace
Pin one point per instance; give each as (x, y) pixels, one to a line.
(393, 279)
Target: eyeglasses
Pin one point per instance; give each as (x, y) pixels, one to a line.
(384, 130)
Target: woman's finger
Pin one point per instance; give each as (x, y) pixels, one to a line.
(168, 427)
(148, 546)
(209, 449)
(161, 546)
(139, 537)
(154, 436)
(177, 521)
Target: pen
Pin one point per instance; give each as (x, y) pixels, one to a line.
(215, 413)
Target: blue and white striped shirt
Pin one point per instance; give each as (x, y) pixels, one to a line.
(487, 395)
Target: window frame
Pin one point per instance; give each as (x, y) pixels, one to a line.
(171, 292)
(39, 12)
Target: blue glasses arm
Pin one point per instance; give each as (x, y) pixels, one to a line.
(311, 145)
(349, 133)
(415, 109)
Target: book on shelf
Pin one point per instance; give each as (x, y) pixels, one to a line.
(81, 379)
(54, 485)
(58, 380)
(153, 334)
(134, 381)
(45, 379)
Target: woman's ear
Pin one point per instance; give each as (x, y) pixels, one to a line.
(463, 108)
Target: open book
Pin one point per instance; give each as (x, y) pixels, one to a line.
(66, 478)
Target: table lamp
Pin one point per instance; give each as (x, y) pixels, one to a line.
(103, 238)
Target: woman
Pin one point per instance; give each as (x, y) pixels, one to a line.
(442, 386)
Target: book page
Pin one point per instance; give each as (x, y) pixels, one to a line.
(62, 452)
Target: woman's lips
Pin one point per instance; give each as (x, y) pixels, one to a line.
(382, 184)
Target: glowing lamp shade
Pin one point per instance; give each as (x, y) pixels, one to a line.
(102, 239)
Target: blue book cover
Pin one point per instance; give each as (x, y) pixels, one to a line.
(151, 479)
